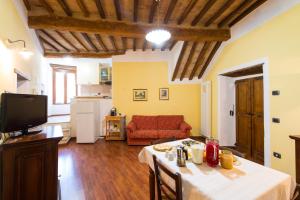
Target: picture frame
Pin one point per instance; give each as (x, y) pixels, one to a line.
(163, 93)
(140, 95)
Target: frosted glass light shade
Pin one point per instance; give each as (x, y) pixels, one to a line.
(158, 36)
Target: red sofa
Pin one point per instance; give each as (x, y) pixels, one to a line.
(144, 129)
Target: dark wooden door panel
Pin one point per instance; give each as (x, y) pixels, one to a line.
(249, 118)
(243, 96)
(258, 97)
(244, 134)
(258, 139)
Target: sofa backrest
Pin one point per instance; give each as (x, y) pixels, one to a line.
(169, 122)
(145, 122)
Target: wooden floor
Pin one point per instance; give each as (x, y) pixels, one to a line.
(104, 170)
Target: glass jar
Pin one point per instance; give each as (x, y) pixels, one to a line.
(226, 159)
(212, 152)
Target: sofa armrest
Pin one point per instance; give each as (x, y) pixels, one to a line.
(131, 127)
(185, 127)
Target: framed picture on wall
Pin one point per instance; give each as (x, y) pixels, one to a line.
(140, 94)
(163, 93)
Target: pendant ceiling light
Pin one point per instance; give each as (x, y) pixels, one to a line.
(158, 36)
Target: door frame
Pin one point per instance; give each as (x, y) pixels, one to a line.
(266, 84)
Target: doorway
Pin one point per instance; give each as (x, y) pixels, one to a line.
(249, 118)
(226, 111)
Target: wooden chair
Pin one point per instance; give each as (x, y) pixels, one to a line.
(163, 189)
(296, 194)
(163, 140)
(234, 152)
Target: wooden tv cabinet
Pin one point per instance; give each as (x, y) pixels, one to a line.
(28, 166)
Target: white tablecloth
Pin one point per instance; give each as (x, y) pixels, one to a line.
(246, 181)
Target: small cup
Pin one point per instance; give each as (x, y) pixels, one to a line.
(226, 159)
(197, 153)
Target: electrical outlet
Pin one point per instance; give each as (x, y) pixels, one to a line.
(277, 155)
(276, 120)
(275, 92)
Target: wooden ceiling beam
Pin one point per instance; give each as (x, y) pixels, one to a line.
(186, 11)
(39, 38)
(145, 45)
(54, 40)
(135, 10)
(126, 29)
(189, 60)
(219, 12)
(27, 4)
(152, 12)
(101, 43)
(246, 12)
(89, 41)
(83, 54)
(124, 43)
(200, 59)
(48, 43)
(202, 12)
(134, 44)
(83, 8)
(100, 9)
(209, 59)
(67, 40)
(65, 7)
(79, 41)
(170, 11)
(118, 9)
(113, 42)
(182, 52)
(47, 6)
(234, 13)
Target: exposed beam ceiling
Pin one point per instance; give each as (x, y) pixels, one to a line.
(126, 29)
(83, 55)
(100, 28)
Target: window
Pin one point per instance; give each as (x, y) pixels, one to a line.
(64, 84)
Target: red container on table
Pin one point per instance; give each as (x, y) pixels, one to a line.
(212, 152)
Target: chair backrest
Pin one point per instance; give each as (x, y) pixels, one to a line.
(234, 152)
(163, 140)
(296, 193)
(162, 187)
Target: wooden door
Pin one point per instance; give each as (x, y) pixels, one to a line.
(249, 118)
(243, 115)
(257, 120)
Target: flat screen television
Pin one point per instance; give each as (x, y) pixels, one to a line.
(20, 112)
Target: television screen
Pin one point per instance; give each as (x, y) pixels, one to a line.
(19, 112)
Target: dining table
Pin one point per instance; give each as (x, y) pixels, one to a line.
(246, 180)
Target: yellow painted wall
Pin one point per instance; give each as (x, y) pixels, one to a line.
(184, 99)
(279, 41)
(12, 27)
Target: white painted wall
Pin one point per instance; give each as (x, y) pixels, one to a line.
(206, 108)
(227, 133)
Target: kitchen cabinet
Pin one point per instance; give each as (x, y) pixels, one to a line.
(87, 74)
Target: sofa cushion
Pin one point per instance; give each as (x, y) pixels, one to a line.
(178, 134)
(145, 122)
(169, 122)
(153, 134)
